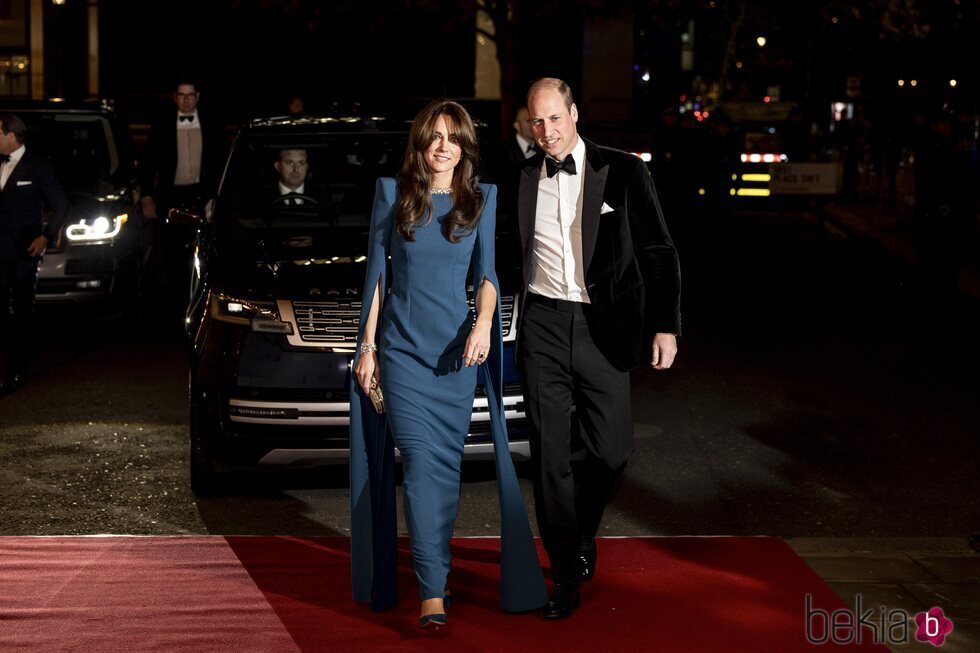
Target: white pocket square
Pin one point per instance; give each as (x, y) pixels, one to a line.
(24, 183)
(605, 209)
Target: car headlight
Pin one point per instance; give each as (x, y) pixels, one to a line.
(261, 316)
(97, 228)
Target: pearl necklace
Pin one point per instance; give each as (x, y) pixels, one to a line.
(440, 191)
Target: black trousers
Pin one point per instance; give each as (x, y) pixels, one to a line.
(168, 264)
(565, 373)
(18, 284)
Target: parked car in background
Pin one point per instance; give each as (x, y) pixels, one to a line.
(276, 299)
(98, 253)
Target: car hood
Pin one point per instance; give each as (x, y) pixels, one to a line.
(296, 267)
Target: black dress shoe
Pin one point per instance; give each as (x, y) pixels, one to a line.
(586, 559)
(564, 599)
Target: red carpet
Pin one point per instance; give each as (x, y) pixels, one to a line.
(274, 594)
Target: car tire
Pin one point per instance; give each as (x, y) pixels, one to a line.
(205, 481)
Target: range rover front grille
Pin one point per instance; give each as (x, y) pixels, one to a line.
(506, 313)
(328, 322)
(335, 322)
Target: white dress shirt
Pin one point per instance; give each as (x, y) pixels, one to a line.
(286, 190)
(557, 267)
(8, 167)
(189, 151)
(527, 147)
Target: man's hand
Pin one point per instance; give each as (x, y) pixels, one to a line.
(37, 246)
(664, 351)
(149, 207)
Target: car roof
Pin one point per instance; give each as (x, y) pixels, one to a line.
(333, 124)
(311, 125)
(102, 107)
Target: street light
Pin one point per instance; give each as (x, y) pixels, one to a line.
(761, 41)
(901, 83)
(914, 82)
(952, 83)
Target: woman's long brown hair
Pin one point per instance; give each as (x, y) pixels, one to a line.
(414, 202)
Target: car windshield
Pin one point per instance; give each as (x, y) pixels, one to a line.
(334, 201)
(81, 147)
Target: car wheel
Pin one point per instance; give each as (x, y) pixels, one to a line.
(204, 481)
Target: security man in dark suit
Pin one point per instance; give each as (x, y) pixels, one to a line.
(521, 145)
(181, 166)
(27, 187)
(601, 297)
(183, 158)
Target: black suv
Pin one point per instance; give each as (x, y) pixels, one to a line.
(276, 297)
(98, 253)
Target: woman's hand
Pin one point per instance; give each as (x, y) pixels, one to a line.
(477, 344)
(366, 369)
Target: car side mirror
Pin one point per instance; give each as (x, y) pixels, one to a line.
(184, 216)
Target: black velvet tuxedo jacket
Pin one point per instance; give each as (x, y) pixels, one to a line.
(632, 274)
(31, 188)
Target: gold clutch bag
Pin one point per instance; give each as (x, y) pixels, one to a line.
(376, 397)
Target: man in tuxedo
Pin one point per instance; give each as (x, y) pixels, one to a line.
(181, 165)
(28, 186)
(601, 297)
(183, 158)
(521, 145)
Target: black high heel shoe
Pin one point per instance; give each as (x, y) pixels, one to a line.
(434, 619)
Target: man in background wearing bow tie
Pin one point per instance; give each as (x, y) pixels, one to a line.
(27, 187)
(181, 165)
(184, 154)
(601, 297)
(522, 145)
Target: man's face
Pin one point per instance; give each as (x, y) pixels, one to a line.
(186, 98)
(292, 167)
(522, 124)
(553, 123)
(8, 142)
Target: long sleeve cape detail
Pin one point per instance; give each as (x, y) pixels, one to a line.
(374, 556)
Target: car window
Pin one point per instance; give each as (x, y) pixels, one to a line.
(338, 189)
(81, 147)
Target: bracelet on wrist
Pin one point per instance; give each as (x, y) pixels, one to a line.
(368, 347)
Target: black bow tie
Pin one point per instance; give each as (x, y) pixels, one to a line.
(187, 118)
(554, 167)
(4, 158)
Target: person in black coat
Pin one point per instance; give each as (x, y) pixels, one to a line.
(28, 186)
(521, 145)
(184, 155)
(180, 169)
(601, 297)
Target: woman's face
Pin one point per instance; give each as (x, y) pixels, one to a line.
(444, 151)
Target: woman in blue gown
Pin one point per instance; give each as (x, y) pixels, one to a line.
(423, 344)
